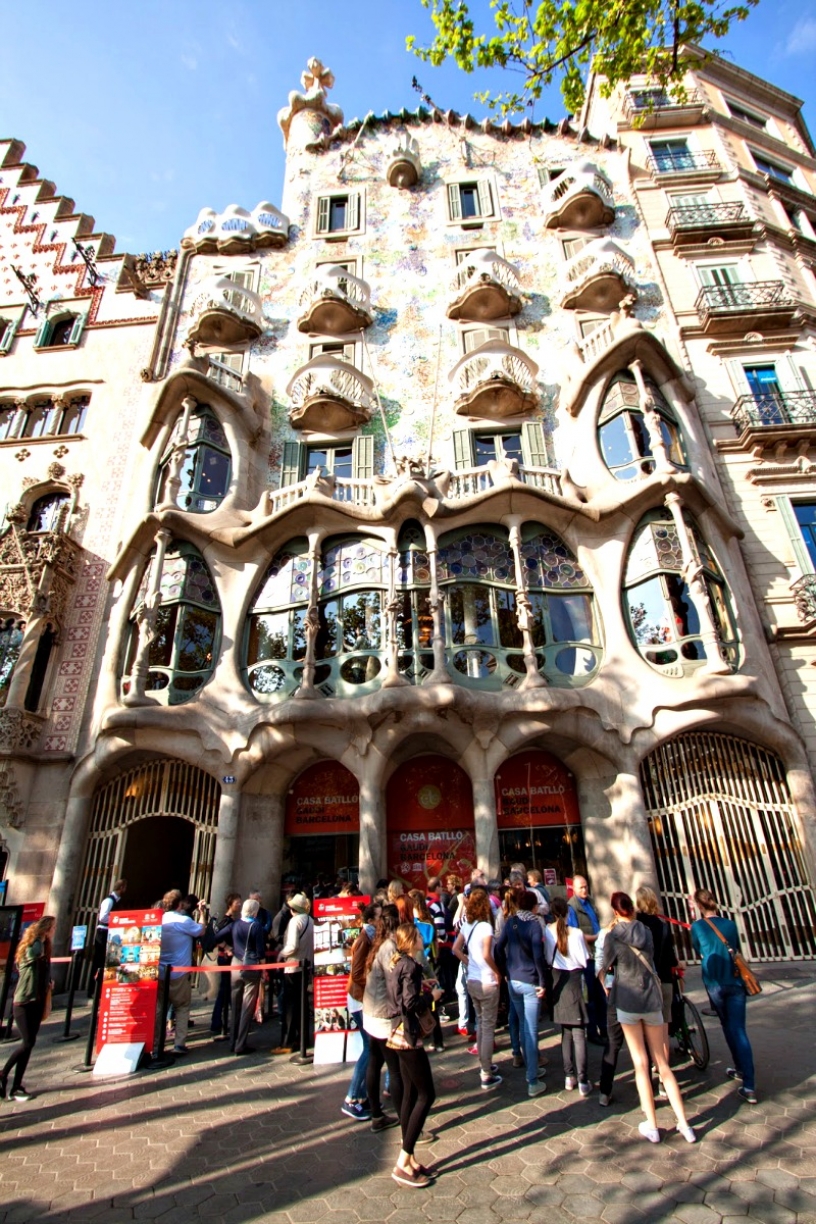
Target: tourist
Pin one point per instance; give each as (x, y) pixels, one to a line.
(177, 938)
(614, 1032)
(711, 937)
(112, 902)
(474, 948)
(582, 914)
(665, 957)
(31, 1002)
(395, 889)
(520, 952)
(408, 1002)
(638, 999)
(355, 1104)
(568, 955)
(245, 935)
(376, 1022)
(298, 946)
(220, 1012)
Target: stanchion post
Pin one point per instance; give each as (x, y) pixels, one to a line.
(67, 1035)
(97, 999)
(302, 1056)
(161, 1059)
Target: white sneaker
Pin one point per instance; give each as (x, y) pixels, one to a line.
(605, 1099)
(570, 1083)
(648, 1132)
(687, 1132)
(534, 1090)
(585, 1089)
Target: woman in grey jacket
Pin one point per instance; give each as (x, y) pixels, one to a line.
(637, 997)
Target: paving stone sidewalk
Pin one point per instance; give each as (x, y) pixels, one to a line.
(238, 1140)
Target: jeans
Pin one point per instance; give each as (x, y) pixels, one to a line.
(524, 1008)
(574, 1052)
(357, 1087)
(28, 1018)
(486, 1001)
(464, 999)
(729, 1003)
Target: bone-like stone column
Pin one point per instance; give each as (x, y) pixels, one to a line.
(372, 858)
(693, 574)
(226, 838)
(487, 834)
(616, 834)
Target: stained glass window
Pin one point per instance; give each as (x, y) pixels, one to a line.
(625, 441)
(206, 469)
(353, 563)
(484, 554)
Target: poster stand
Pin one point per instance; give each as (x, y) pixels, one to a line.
(11, 927)
(338, 921)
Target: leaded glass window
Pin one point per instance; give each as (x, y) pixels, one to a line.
(624, 437)
(47, 511)
(206, 468)
(11, 639)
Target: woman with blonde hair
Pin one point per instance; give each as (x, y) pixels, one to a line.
(31, 994)
(568, 955)
(665, 957)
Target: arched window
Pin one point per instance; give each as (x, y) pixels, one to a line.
(276, 642)
(60, 332)
(182, 653)
(414, 619)
(663, 618)
(206, 468)
(8, 417)
(11, 639)
(47, 512)
(624, 436)
(39, 669)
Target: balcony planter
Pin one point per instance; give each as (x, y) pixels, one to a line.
(329, 395)
(226, 315)
(335, 302)
(580, 198)
(597, 277)
(495, 381)
(485, 287)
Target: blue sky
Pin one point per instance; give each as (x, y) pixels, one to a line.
(145, 112)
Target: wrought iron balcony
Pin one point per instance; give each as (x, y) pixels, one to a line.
(751, 305)
(226, 314)
(597, 277)
(580, 198)
(494, 381)
(656, 108)
(335, 302)
(804, 594)
(778, 408)
(485, 287)
(329, 394)
(704, 221)
(664, 165)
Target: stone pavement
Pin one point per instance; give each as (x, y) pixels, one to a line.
(217, 1138)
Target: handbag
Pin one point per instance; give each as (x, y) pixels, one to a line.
(742, 969)
(427, 1023)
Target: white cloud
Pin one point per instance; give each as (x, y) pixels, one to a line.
(189, 61)
(802, 38)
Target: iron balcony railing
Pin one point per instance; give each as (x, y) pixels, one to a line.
(804, 594)
(750, 296)
(639, 101)
(707, 216)
(682, 163)
(775, 408)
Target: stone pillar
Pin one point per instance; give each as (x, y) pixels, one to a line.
(179, 451)
(67, 877)
(487, 834)
(312, 625)
(259, 855)
(223, 874)
(616, 833)
(146, 616)
(372, 858)
(651, 420)
(800, 782)
(524, 608)
(693, 575)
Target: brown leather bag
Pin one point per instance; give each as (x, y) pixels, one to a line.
(741, 967)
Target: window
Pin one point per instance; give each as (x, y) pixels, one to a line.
(547, 174)
(487, 447)
(672, 154)
(44, 419)
(747, 116)
(244, 280)
(226, 369)
(805, 514)
(470, 201)
(587, 326)
(650, 99)
(339, 214)
(8, 417)
(181, 656)
(763, 383)
(626, 444)
(336, 347)
(11, 639)
(8, 330)
(345, 461)
(526, 444)
(782, 174)
(477, 336)
(62, 332)
(41, 420)
(725, 281)
(47, 512)
(571, 246)
(206, 468)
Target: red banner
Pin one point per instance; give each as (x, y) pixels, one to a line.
(324, 799)
(127, 1011)
(415, 857)
(429, 792)
(338, 907)
(534, 789)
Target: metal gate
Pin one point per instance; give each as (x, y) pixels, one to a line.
(721, 817)
(160, 788)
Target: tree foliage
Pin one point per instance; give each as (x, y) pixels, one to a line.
(547, 40)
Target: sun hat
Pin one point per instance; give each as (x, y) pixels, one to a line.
(300, 903)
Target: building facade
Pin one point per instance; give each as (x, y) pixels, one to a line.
(451, 515)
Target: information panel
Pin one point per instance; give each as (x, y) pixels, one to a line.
(337, 925)
(127, 1012)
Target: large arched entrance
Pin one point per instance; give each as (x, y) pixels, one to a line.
(538, 817)
(429, 820)
(322, 825)
(721, 817)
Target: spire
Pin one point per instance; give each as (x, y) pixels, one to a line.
(318, 116)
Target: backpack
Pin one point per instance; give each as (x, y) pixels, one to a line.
(207, 937)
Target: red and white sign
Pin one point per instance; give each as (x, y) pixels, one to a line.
(417, 856)
(534, 789)
(430, 821)
(127, 1011)
(338, 907)
(325, 798)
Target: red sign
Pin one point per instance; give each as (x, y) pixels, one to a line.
(534, 789)
(429, 792)
(33, 913)
(127, 1010)
(415, 857)
(331, 991)
(324, 799)
(338, 907)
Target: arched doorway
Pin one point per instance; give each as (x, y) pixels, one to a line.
(158, 857)
(322, 825)
(538, 818)
(429, 821)
(721, 817)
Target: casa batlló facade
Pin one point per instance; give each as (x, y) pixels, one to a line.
(456, 512)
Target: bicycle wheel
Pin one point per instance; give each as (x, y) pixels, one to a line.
(694, 1035)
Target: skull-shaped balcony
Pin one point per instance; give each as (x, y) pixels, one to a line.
(329, 395)
(494, 382)
(580, 198)
(485, 287)
(597, 277)
(335, 302)
(226, 314)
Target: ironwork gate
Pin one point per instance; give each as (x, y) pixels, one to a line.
(721, 817)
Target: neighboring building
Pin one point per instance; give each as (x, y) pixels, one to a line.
(425, 533)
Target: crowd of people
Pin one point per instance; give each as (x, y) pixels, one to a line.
(501, 954)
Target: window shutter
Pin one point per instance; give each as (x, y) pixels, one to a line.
(533, 447)
(462, 449)
(481, 335)
(788, 374)
(290, 467)
(41, 338)
(323, 215)
(485, 198)
(362, 457)
(76, 330)
(7, 339)
(454, 202)
(353, 211)
(800, 550)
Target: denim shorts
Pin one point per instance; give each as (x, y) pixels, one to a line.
(653, 1019)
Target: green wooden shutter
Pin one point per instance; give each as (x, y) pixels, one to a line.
(41, 338)
(290, 467)
(323, 215)
(485, 198)
(454, 202)
(533, 448)
(7, 338)
(76, 330)
(362, 457)
(462, 449)
(800, 550)
(353, 211)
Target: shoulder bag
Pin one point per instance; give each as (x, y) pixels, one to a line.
(742, 969)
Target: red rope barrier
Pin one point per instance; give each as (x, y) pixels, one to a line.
(202, 968)
(676, 922)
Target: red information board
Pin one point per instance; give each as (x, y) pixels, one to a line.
(127, 1011)
(534, 789)
(324, 799)
(417, 856)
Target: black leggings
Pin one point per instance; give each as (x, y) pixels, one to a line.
(379, 1053)
(614, 1044)
(418, 1095)
(28, 1018)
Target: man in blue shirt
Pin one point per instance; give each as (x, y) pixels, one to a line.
(178, 933)
(582, 915)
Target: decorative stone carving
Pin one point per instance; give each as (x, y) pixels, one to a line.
(22, 455)
(404, 167)
(235, 230)
(24, 558)
(56, 471)
(11, 808)
(323, 116)
(141, 273)
(19, 730)
(61, 451)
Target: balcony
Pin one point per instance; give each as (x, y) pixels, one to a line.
(470, 482)
(580, 198)
(779, 409)
(804, 595)
(597, 277)
(684, 165)
(696, 225)
(756, 306)
(485, 287)
(226, 315)
(655, 108)
(328, 394)
(335, 302)
(494, 381)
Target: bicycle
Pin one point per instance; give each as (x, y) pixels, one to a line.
(687, 1026)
